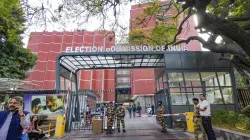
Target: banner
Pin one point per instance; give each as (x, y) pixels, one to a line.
(44, 104)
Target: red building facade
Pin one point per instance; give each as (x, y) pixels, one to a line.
(48, 45)
(143, 80)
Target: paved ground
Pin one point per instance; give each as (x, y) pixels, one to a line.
(137, 129)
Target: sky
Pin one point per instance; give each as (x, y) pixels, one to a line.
(91, 25)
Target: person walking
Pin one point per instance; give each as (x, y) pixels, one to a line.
(14, 120)
(152, 109)
(130, 110)
(110, 115)
(205, 113)
(139, 109)
(197, 121)
(134, 110)
(160, 112)
(120, 114)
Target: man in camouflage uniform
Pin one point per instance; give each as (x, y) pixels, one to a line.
(160, 112)
(110, 115)
(197, 121)
(120, 114)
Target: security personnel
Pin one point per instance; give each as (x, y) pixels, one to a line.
(197, 121)
(120, 117)
(110, 115)
(160, 112)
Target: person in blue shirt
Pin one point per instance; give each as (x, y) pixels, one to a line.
(134, 110)
(13, 120)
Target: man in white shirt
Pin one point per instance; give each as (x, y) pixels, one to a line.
(205, 113)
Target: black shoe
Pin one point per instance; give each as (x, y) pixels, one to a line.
(118, 130)
(124, 130)
(107, 132)
(110, 132)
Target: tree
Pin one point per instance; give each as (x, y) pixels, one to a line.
(225, 19)
(15, 60)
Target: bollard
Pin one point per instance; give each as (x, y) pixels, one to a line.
(60, 126)
(190, 123)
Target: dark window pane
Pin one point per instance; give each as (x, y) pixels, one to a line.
(189, 60)
(173, 61)
(205, 59)
(221, 63)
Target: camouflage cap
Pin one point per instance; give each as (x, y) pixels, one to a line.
(111, 102)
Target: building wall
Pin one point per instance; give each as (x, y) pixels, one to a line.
(48, 45)
(143, 80)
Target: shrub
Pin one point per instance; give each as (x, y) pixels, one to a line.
(231, 120)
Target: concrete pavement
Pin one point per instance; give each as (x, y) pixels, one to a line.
(137, 129)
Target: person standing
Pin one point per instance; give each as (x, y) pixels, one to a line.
(14, 120)
(134, 110)
(130, 110)
(120, 117)
(110, 115)
(152, 109)
(197, 121)
(205, 113)
(160, 112)
(139, 109)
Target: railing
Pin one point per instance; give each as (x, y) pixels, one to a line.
(243, 97)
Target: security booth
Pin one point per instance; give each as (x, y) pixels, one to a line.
(187, 75)
(180, 76)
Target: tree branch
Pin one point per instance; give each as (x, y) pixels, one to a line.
(242, 18)
(246, 27)
(180, 27)
(214, 47)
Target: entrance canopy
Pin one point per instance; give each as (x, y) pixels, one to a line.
(111, 60)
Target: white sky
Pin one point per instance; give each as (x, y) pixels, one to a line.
(92, 25)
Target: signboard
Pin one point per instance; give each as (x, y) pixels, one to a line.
(44, 104)
(124, 48)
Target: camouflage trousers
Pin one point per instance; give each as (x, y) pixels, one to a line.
(110, 122)
(162, 122)
(197, 128)
(120, 119)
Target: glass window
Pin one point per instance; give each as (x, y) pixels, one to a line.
(164, 80)
(157, 84)
(213, 95)
(228, 95)
(175, 79)
(176, 99)
(192, 79)
(224, 78)
(228, 79)
(209, 78)
(73, 86)
(160, 83)
(189, 60)
(62, 84)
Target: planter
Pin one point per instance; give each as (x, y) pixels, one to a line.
(225, 134)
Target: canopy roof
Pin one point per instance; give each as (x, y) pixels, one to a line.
(111, 60)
